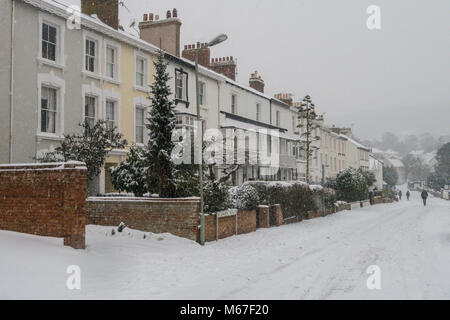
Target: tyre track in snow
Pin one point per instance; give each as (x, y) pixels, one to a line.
(321, 273)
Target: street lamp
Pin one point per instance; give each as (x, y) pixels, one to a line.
(219, 39)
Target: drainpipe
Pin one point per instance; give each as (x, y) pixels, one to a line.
(270, 111)
(11, 93)
(218, 103)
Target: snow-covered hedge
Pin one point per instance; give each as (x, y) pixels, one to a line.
(216, 196)
(296, 198)
(351, 186)
(244, 197)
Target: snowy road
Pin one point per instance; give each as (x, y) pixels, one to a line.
(325, 258)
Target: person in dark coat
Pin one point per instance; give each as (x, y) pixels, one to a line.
(400, 194)
(408, 195)
(424, 197)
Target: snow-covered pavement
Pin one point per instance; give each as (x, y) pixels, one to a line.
(324, 258)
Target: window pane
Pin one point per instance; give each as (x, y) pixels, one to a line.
(110, 55)
(110, 70)
(51, 52)
(52, 34)
(44, 31)
(91, 64)
(92, 48)
(109, 110)
(48, 110)
(90, 107)
(110, 61)
(140, 116)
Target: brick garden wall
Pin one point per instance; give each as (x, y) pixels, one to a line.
(246, 223)
(45, 200)
(179, 217)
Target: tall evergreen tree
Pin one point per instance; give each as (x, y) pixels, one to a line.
(161, 124)
(308, 117)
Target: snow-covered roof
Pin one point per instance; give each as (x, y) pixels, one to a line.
(374, 163)
(396, 163)
(357, 144)
(233, 123)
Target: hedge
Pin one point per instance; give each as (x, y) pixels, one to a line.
(296, 198)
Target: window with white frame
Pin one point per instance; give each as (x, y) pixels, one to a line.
(278, 118)
(111, 56)
(49, 41)
(186, 121)
(294, 124)
(48, 109)
(90, 106)
(234, 104)
(91, 55)
(201, 96)
(140, 124)
(181, 85)
(110, 114)
(258, 112)
(140, 71)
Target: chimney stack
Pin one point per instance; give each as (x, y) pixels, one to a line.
(106, 10)
(164, 34)
(286, 98)
(204, 57)
(226, 66)
(256, 82)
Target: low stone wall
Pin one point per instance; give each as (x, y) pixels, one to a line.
(179, 217)
(355, 205)
(221, 228)
(377, 200)
(365, 203)
(45, 200)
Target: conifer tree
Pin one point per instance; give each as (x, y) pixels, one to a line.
(161, 125)
(308, 117)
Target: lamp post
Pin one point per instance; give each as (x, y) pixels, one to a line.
(219, 39)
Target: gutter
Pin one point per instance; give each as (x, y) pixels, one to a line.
(11, 93)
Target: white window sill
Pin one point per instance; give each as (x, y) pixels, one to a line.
(117, 152)
(141, 89)
(112, 80)
(50, 63)
(93, 75)
(49, 136)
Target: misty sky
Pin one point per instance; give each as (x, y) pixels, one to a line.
(396, 79)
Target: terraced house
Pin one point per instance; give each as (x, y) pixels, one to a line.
(64, 67)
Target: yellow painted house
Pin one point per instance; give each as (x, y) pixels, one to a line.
(128, 72)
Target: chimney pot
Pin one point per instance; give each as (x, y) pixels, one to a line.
(145, 17)
(151, 16)
(175, 13)
(169, 14)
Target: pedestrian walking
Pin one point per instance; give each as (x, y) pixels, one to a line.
(400, 194)
(408, 195)
(424, 197)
